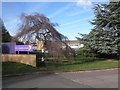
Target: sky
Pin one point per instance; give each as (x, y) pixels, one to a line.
(72, 17)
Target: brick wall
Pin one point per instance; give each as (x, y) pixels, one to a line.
(29, 59)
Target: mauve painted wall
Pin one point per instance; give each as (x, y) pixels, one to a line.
(8, 48)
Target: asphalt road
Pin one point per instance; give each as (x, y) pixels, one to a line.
(87, 79)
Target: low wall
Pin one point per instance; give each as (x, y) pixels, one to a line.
(28, 59)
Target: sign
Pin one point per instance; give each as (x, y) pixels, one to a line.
(24, 48)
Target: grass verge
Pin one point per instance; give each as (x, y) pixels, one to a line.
(18, 68)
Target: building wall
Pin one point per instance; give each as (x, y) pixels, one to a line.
(74, 44)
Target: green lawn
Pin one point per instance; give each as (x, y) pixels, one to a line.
(15, 68)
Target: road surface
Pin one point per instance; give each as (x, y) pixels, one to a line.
(80, 79)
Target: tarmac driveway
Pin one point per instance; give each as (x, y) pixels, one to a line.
(95, 79)
(80, 79)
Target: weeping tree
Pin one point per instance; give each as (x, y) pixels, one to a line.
(38, 27)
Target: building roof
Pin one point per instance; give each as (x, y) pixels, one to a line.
(73, 41)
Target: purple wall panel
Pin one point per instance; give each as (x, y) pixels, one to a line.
(8, 48)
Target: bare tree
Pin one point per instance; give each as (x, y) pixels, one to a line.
(39, 27)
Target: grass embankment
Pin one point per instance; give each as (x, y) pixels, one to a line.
(17, 68)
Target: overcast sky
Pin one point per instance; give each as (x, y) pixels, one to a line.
(72, 17)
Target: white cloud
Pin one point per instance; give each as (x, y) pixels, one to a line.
(53, 0)
(74, 13)
(75, 22)
(60, 11)
(84, 3)
(78, 12)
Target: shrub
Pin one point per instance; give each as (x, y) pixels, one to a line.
(84, 55)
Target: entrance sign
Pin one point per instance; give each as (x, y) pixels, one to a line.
(24, 48)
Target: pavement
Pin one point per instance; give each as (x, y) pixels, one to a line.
(79, 79)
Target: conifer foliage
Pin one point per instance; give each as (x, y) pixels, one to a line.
(105, 36)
